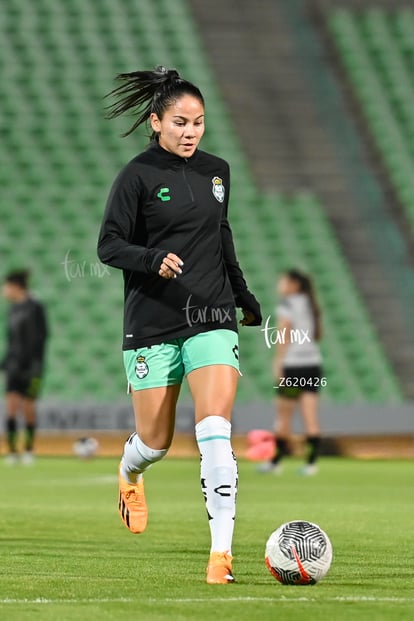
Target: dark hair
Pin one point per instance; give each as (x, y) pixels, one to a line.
(18, 277)
(145, 92)
(306, 286)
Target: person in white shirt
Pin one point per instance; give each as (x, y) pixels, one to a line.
(297, 367)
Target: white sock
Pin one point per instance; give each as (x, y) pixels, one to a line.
(218, 479)
(137, 458)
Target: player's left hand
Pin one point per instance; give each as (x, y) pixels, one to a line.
(252, 315)
(248, 318)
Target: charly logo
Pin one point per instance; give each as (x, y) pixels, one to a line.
(218, 189)
(164, 194)
(141, 367)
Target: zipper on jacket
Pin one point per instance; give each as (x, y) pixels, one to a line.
(187, 182)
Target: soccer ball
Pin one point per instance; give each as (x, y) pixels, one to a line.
(298, 553)
(85, 448)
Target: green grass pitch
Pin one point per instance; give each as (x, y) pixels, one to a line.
(66, 556)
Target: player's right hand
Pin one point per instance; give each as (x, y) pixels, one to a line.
(171, 266)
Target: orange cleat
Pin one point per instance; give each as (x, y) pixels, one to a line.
(132, 505)
(219, 570)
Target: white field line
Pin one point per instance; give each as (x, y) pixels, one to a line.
(284, 599)
(45, 600)
(196, 600)
(104, 479)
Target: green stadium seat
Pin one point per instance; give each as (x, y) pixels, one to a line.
(377, 50)
(69, 155)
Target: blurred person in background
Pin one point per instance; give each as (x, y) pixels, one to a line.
(23, 362)
(297, 367)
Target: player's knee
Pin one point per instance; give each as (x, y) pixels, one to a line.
(148, 451)
(211, 423)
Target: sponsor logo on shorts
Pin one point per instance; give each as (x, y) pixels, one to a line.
(235, 351)
(218, 189)
(141, 367)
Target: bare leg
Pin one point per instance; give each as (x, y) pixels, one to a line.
(284, 411)
(213, 389)
(29, 410)
(309, 403)
(13, 404)
(154, 410)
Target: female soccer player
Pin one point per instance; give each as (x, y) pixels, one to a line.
(23, 361)
(297, 366)
(166, 227)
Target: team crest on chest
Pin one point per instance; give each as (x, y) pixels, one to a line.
(218, 189)
(141, 367)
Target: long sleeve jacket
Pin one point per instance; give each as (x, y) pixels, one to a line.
(162, 203)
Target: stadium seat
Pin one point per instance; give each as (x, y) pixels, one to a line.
(376, 47)
(59, 60)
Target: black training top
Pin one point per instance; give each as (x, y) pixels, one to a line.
(163, 203)
(26, 334)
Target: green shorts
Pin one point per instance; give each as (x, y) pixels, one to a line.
(167, 363)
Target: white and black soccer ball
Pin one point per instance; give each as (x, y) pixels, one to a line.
(298, 553)
(85, 448)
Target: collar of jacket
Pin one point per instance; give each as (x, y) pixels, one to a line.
(159, 152)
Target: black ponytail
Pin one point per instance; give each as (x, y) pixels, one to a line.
(306, 286)
(147, 92)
